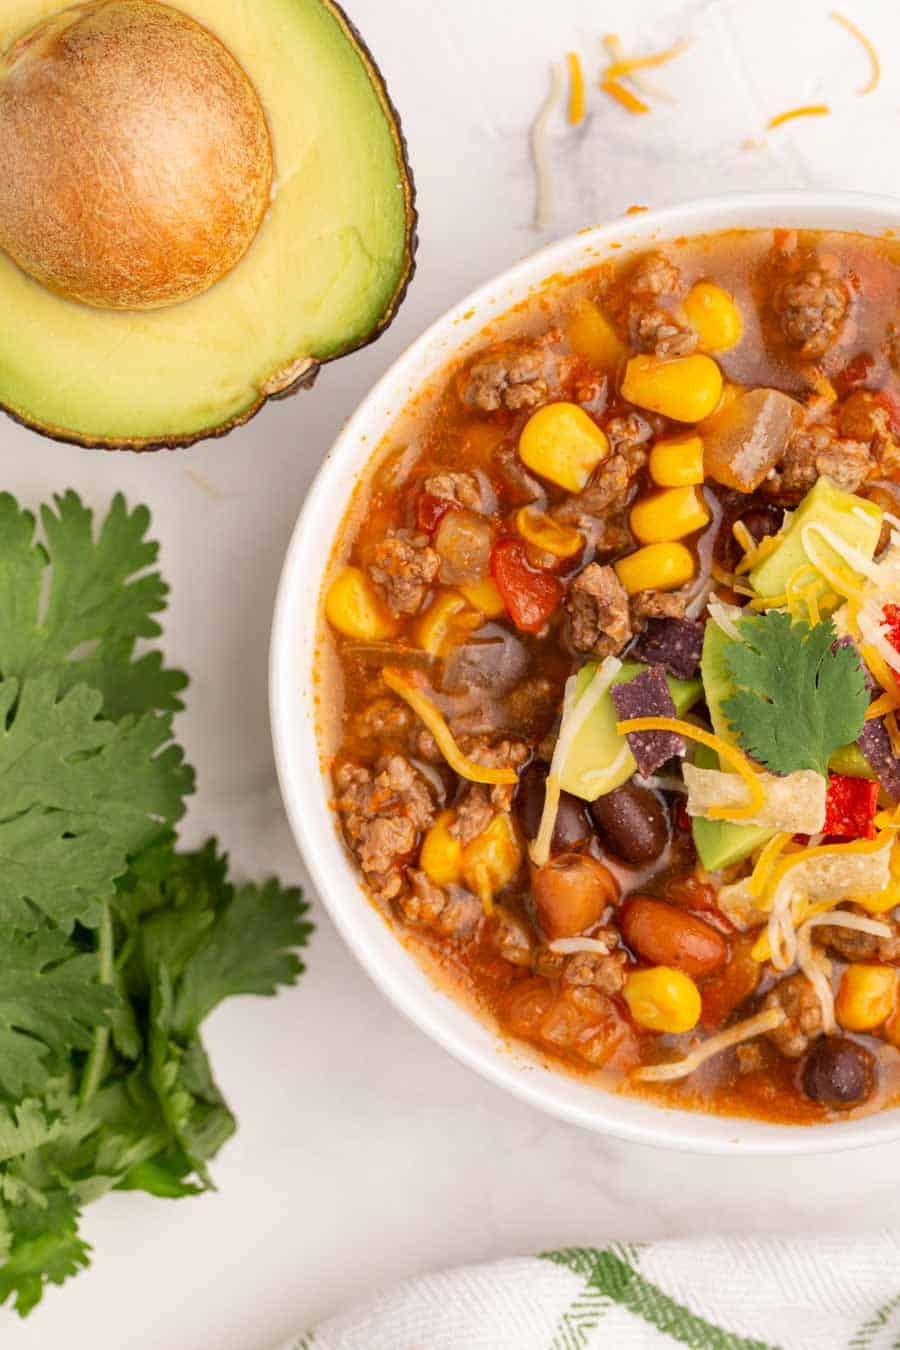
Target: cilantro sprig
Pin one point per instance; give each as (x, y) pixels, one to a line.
(114, 946)
(798, 696)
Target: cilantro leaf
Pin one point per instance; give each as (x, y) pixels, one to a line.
(102, 599)
(44, 1248)
(798, 697)
(77, 796)
(250, 950)
(50, 1002)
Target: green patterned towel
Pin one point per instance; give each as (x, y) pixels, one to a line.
(822, 1293)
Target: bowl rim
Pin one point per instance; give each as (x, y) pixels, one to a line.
(292, 697)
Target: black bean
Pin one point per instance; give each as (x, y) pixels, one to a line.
(760, 521)
(634, 823)
(572, 830)
(838, 1073)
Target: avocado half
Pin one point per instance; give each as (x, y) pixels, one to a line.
(324, 274)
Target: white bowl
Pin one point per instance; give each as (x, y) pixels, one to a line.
(293, 713)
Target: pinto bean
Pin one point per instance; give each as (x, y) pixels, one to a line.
(463, 543)
(571, 894)
(666, 936)
(633, 822)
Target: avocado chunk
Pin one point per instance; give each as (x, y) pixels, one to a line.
(327, 265)
(717, 683)
(856, 521)
(598, 746)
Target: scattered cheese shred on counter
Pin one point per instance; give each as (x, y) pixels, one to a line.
(868, 44)
(807, 110)
(729, 753)
(423, 707)
(723, 1040)
(624, 96)
(627, 65)
(576, 89)
(613, 44)
(543, 211)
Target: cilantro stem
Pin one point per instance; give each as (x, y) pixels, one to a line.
(96, 1061)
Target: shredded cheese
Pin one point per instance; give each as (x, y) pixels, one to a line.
(753, 553)
(627, 65)
(624, 96)
(728, 753)
(574, 716)
(576, 89)
(766, 861)
(423, 707)
(814, 964)
(543, 210)
(723, 1040)
(874, 63)
(613, 44)
(807, 110)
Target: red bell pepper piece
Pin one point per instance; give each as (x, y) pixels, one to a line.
(850, 807)
(529, 594)
(892, 620)
(430, 511)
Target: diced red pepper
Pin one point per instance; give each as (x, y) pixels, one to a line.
(856, 373)
(529, 594)
(430, 511)
(892, 620)
(850, 807)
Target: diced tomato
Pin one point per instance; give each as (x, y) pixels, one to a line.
(892, 620)
(850, 807)
(529, 594)
(430, 511)
(856, 373)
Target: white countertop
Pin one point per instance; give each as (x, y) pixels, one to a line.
(364, 1153)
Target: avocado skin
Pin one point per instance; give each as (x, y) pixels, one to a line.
(309, 377)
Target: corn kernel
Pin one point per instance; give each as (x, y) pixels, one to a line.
(492, 860)
(714, 316)
(657, 567)
(866, 996)
(592, 336)
(441, 854)
(663, 999)
(355, 609)
(670, 514)
(445, 621)
(562, 443)
(543, 532)
(484, 596)
(677, 461)
(686, 388)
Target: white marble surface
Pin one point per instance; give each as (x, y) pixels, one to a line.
(365, 1154)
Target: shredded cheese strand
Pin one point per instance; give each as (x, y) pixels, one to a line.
(723, 1040)
(568, 946)
(576, 89)
(880, 669)
(766, 861)
(812, 963)
(626, 65)
(728, 753)
(868, 44)
(423, 707)
(807, 110)
(624, 96)
(543, 209)
(613, 44)
(574, 716)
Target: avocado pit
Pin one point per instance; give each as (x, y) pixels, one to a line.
(136, 164)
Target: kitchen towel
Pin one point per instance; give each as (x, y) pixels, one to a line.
(751, 1293)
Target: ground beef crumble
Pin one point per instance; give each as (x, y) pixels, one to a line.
(509, 381)
(597, 603)
(384, 810)
(811, 307)
(403, 567)
(796, 997)
(454, 912)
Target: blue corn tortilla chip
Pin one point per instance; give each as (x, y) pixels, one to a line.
(647, 695)
(674, 643)
(848, 642)
(875, 743)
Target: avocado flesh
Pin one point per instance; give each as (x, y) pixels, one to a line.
(856, 521)
(598, 745)
(324, 274)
